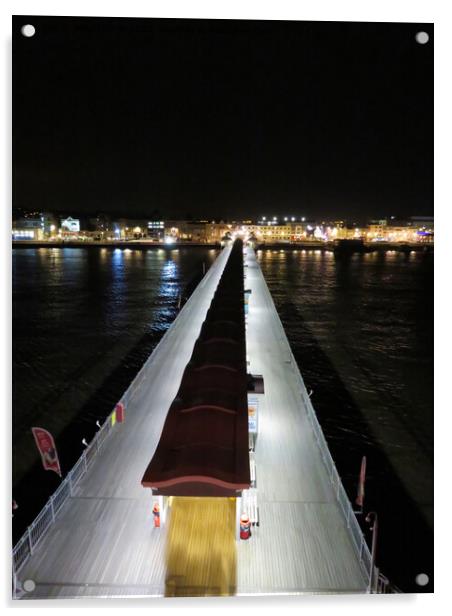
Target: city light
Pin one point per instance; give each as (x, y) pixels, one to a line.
(286, 229)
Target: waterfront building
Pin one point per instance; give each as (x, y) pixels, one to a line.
(50, 224)
(156, 230)
(267, 232)
(102, 225)
(39, 226)
(70, 225)
(198, 231)
(130, 228)
(28, 228)
(413, 229)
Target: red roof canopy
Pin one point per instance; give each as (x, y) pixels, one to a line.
(203, 448)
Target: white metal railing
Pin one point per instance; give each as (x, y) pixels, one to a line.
(26, 545)
(356, 533)
(352, 523)
(38, 528)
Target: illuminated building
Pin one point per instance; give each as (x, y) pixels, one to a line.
(415, 229)
(28, 228)
(70, 225)
(156, 230)
(200, 231)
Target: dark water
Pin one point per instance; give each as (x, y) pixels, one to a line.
(84, 321)
(361, 329)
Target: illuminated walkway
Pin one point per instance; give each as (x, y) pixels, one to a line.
(302, 543)
(103, 542)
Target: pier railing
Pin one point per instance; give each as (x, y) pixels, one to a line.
(341, 495)
(27, 544)
(352, 523)
(38, 528)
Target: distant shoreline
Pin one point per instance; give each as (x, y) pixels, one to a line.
(132, 245)
(143, 245)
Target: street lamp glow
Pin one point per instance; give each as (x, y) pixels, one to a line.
(169, 240)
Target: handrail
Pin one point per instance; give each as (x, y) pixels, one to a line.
(352, 523)
(26, 545)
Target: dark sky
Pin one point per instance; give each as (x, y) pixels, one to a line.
(222, 118)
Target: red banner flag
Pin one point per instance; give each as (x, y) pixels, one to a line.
(362, 480)
(46, 446)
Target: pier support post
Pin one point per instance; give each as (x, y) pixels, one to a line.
(30, 541)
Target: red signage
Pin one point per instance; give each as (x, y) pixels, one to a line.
(362, 480)
(120, 412)
(46, 446)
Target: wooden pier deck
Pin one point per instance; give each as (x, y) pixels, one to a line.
(302, 543)
(103, 543)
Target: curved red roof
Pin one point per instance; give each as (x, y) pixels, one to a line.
(203, 448)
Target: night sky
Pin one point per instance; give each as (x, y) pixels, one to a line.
(218, 118)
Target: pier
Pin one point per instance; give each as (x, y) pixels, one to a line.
(96, 537)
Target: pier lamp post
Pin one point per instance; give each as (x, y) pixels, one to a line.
(372, 518)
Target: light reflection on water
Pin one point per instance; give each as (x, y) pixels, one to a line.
(374, 308)
(361, 329)
(77, 314)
